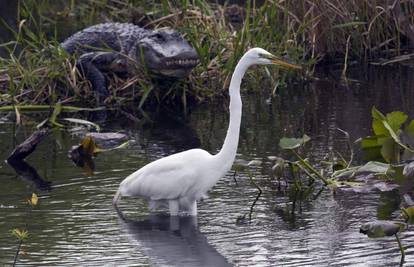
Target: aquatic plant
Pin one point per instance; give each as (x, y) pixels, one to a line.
(376, 229)
(335, 173)
(391, 141)
(292, 144)
(242, 165)
(383, 228)
(22, 234)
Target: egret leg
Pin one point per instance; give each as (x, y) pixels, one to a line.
(153, 205)
(117, 197)
(192, 210)
(174, 207)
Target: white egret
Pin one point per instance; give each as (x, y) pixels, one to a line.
(181, 179)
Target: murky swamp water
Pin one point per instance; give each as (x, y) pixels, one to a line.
(75, 223)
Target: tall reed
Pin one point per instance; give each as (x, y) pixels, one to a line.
(309, 31)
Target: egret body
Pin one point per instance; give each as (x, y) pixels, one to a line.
(181, 179)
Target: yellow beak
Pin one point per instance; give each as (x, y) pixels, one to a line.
(280, 62)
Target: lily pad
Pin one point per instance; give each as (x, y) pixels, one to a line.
(374, 167)
(377, 229)
(108, 139)
(83, 122)
(364, 184)
(279, 167)
(254, 162)
(240, 165)
(292, 143)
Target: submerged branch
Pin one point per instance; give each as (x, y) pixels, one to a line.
(28, 146)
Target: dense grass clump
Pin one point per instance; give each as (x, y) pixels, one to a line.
(307, 31)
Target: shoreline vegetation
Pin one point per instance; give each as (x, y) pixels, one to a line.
(314, 33)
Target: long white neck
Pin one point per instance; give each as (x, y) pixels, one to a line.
(228, 152)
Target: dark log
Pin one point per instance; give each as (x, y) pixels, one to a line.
(28, 146)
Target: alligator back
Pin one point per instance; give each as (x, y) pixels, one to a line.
(119, 37)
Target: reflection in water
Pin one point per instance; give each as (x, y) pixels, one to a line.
(179, 134)
(173, 241)
(27, 172)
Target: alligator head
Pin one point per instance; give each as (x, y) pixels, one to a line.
(167, 53)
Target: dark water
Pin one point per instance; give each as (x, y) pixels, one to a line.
(75, 224)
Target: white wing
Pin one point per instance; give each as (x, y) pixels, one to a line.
(168, 178)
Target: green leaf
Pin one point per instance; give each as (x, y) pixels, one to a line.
(377, 123)
(408, 134)
(380, 228)
(349, 24)
(390, 151)
(395, 136)
(396, 119)
(292, 143)
(20, 234)
(376, 114)
(371, 147)
(370, 142)
(410, 129)
(408, 214)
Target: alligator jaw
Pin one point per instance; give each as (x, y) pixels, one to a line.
(178, 66)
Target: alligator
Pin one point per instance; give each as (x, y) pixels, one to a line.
(118, 47)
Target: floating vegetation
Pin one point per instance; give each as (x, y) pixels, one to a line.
(82, 155)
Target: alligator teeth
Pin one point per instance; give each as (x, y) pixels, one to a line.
(183, 62)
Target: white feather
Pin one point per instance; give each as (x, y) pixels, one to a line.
(181, 179)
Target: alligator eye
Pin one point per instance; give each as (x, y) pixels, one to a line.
(159, 36)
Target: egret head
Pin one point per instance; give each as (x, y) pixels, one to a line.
(262, 57)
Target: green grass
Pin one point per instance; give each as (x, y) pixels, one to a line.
(310, 32)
